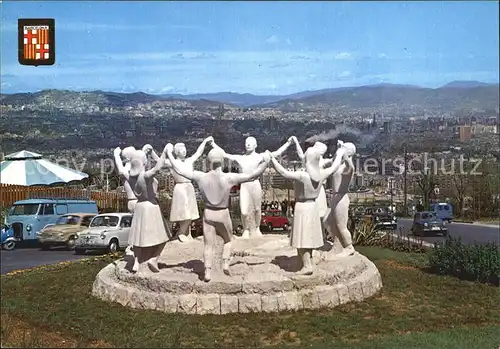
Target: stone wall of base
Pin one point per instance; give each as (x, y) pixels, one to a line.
(360, 287)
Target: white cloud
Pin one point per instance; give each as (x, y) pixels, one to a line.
(344, 74)
(188, 63)
(166, 89)
(272, 57)
(344, 56)
(273, 39)
(257, 72)
(71, 26)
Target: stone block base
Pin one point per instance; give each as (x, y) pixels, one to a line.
(263, 279)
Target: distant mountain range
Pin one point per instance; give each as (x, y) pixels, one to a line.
(74, 99)
(248, 100)
(467, 84)
(451, 95)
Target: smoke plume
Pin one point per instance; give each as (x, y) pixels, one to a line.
(356, 136)
(332, 134)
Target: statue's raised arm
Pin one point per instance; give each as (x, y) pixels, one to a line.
(326, 162)
(293, 175)
(283, 148)
(201, 149)
(148, 149)
(350, 164)
(344, 153)
(324, 173)
(179, 167)
(232, 157)
(238, 178)
(317, 172)
(159, 164)
(300, 152)
(119, 163)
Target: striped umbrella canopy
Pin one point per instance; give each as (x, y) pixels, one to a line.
(28, 168)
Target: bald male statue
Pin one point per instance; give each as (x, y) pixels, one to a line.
(251, 191)
(215, 187)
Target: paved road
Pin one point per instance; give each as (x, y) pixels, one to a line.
(469, 233)
(29, 257)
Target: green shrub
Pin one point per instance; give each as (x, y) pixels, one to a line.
(365, 234)
(469, 262)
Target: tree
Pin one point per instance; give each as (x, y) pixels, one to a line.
(461, 181)
(460, 186)
(486, 190)
(426, 183)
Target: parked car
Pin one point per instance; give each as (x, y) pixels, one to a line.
(379, 217)
(428, 222)
(274, 219)
(384, 219)
(108, 231)
(29, 217)
(63, 232)
(357, 213)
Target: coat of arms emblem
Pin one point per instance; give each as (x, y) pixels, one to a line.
(36, 39)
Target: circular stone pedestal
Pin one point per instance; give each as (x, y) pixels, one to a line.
(263, 279)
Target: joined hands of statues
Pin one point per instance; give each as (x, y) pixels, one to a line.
(341, 151)
(169, 148)
(148, 148)
(117, 151)
(209, 140)
(267, 156)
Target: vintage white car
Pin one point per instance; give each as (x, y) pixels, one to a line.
(107, 231)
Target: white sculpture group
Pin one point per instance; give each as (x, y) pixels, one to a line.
(149, 234)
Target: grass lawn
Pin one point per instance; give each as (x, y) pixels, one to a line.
(52, 307)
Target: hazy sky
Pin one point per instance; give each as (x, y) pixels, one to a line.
(254, 47)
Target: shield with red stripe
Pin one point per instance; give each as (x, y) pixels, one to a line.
(36, 41)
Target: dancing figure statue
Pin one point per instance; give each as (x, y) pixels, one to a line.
(147, 232)
(321, 200)
(123, 167)
(215, 186)
(251, 192)
(184, 207)
(307, 233)
(336, 221)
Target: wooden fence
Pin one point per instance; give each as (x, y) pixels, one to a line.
(105, 200)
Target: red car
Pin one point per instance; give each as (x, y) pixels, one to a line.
(235, 189)
(274, 219)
